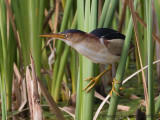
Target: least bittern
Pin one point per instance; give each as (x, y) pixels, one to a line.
(102, 46)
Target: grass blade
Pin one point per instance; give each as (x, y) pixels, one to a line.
(151, 109)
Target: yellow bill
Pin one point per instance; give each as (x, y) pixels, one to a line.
(58, 36)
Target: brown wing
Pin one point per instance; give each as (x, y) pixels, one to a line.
(114, 46)
(112, 39)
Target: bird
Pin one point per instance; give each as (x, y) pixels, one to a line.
(102, 45)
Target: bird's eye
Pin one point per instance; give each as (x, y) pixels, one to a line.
(65, 35)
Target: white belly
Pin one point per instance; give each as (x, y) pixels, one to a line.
(102, 56)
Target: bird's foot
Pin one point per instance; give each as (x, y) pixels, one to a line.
(94, 80)
(113, 88)
(92, 83)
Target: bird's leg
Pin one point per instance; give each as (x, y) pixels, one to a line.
(94, 80)
(113, 88)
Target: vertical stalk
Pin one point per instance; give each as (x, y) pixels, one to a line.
(63, 62)
(110, 13)
(73, 62)
(35, 11)
(38, 43)
(120, 71)
(88, 66)
(84, 104)
(74, 70)
(46, 66)
(3, 28)
(157, 9)
(59, 45)
(3, 97)
(7, 53)
(22, 16)
(103, 14)
(151, 111)
(80, 20)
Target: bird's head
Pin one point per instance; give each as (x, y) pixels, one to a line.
(70, 36)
